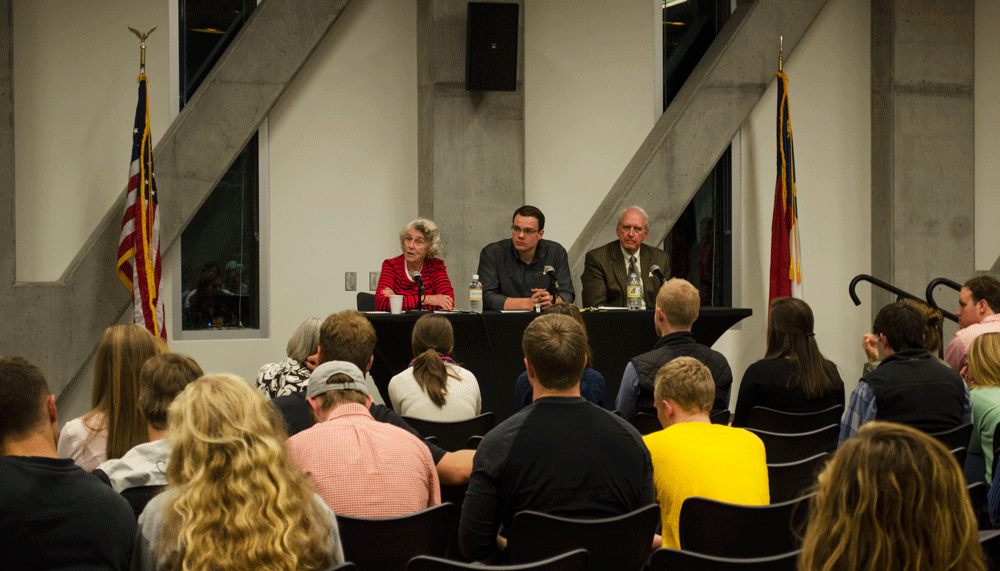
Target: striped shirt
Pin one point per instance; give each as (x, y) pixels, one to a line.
(365, 468)
(394, 277)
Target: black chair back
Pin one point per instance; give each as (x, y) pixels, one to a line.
(387, 544)
(139, 496)
(366, 301)
(666, 559)
(783, 448)
(719, 417)
(960, 453)
(453, 436)
(772, 420)
(722, 529)
(990, 540)
(790, 480)
(573, 561)
(615, 544)
(646, 423)
(996, 449)
(346, 566)
(957, 437)
(977, 497)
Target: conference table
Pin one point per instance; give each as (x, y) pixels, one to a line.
(489, 345)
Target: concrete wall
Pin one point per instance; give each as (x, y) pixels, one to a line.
(343, 154)
(987, 93)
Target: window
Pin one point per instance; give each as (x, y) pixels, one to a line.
(700, 243)
(220, 270)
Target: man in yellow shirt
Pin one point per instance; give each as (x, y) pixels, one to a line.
(693, 457)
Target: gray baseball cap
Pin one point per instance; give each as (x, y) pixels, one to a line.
(319, 381)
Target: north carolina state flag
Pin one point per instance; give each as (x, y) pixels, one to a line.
(786, 265)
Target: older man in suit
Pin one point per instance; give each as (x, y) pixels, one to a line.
(606, 270)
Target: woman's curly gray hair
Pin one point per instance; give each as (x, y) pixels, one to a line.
(305, 340)
(430, 231)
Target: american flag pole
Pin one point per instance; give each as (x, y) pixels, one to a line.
(140, 237)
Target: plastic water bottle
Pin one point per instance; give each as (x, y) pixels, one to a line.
(634, 300)
(476, 295)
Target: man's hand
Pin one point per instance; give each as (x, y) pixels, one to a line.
(312, 361)
(442, 301)
(541, 297)
(870, 344)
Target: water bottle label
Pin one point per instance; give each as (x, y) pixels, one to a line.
(475, 294)
(635, 291)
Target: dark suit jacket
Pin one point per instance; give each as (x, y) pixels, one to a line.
(604, 279)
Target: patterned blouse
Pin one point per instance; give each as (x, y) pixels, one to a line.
(284, 378)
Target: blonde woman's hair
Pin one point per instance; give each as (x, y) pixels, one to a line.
(431, 234)
(984, 361)
(687, 382)
(432, 337)
(891, 498)
(121, 353)
(240, 502)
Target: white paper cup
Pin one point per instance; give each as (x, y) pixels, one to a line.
(396, 304)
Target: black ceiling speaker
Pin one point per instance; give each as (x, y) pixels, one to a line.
(491, 46)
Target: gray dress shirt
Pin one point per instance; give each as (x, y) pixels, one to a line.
(504, 275)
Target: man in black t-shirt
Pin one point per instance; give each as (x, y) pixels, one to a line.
(560, 455)
(53, 515)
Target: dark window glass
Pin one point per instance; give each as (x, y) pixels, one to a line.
(220, 246)
(700, 243)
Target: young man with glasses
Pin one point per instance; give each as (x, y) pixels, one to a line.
(512, 271)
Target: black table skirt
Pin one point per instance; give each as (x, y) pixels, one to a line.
(489, 345)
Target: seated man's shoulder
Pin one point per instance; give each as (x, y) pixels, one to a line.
(498, 247)
(59, 486)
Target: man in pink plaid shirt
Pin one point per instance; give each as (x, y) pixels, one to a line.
(359, 466)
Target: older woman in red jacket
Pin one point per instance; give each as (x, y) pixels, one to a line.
(421, 242)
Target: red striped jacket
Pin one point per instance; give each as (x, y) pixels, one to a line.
(393, 276)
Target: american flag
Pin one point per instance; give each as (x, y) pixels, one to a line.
(786, 263)
(141, 226)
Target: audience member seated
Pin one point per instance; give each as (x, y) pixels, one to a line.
(909, 386)
(234, 499)
(677, 306)
(513, 272)
(349, 336)
(347, 447)
(561, 456)
(421, 242)
(434, 387)
(978, 304)
(932, 335)
(982, 373)
(592, 384)
(206, 307)
(693, 457)
(53, 515)
(892, 498)
(292, 374)
(793, 376)
(114, 425)
(161, 379)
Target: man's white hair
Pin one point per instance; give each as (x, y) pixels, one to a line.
(639, 209)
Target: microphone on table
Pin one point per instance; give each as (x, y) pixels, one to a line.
(420, 289)
(553, 288)
(655, 270)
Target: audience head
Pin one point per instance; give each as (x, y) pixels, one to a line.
(427, 231)
(932, 322)
(26, 407)
(121, 353)
(891, 498)
(209, 285)
(334, 383)
(632, 229)
(570, 310)
(305, 341)
(161, 379)
(432, 337)
(790, 335)
(347, 336)
(240, 503)
(555, 351)
(683, 383)
(677, 306)
(984, 361)
(979, 298)
(901, 325)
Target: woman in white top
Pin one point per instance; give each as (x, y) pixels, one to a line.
(434, 387)
(114, 425)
